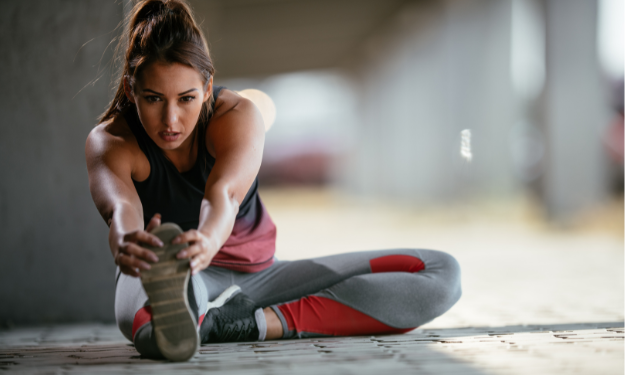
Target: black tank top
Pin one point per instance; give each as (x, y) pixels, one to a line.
(178, 196)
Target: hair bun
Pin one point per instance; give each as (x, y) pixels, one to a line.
(150, 9)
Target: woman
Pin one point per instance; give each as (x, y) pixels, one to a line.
(172, 147)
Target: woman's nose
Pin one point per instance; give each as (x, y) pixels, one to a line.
(170, 115)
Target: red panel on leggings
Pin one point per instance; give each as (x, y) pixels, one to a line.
(143, 316)
(396, 263)
(325, 316)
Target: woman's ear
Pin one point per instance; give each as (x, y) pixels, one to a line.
(128, 90)
(209, 89)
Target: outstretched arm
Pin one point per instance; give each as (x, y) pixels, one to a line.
(236, 136)
(109, 166)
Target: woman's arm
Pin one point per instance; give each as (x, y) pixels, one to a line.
(109, 164)
(236, 135)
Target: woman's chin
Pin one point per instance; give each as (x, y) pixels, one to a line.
(168, 144)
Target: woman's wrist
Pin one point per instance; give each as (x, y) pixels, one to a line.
(217, 220)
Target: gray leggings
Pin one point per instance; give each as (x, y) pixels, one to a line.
(368, 292)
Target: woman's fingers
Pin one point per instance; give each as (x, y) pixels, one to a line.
(139, 252)
(132, 257)
(143, 236)
(191, 236)
(196, 266)
(189, 252)
(199, 262)
(155, 221)
(188, 236)
(199, 250)
(126, 260)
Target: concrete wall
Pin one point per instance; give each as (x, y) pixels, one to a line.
(55, 264)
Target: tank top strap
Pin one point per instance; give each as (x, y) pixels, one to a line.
(216, 91)
(204, 154)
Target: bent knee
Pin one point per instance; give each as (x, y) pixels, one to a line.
(437, 261)
(449, 264)
(450, 278)
(445, 269)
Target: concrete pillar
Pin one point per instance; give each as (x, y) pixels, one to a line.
(55, 263)
(575, 110)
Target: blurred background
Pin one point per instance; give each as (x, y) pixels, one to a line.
(370, 99)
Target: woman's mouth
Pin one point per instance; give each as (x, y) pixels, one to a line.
(169, 136)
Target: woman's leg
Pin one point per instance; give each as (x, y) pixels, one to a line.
(388, 291)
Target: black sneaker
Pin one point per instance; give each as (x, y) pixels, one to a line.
(234, 321)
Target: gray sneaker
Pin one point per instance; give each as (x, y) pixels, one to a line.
(175, 325)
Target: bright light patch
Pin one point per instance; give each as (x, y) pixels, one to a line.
(610, 37)
(527, 49)
(264, 104)
(465, 145)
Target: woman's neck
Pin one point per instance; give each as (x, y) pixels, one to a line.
(185, 156)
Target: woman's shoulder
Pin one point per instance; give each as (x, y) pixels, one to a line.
(235, 124)
(113, 135)
(229, 100)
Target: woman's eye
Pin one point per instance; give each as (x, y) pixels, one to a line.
(187, 98)
(152, 98)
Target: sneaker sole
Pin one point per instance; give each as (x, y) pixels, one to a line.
(175, 327)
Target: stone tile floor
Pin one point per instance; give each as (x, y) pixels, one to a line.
(537, 300)
(595, 348)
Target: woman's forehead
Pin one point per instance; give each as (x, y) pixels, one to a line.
(174, 77)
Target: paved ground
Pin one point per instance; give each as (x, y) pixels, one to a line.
(541, 349)
(537, 300)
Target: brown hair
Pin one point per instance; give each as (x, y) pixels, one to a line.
(160, 31)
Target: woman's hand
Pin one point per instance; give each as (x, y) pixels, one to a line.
(130, 256)
(201, 249)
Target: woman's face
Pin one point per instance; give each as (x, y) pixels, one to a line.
(169, 99)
